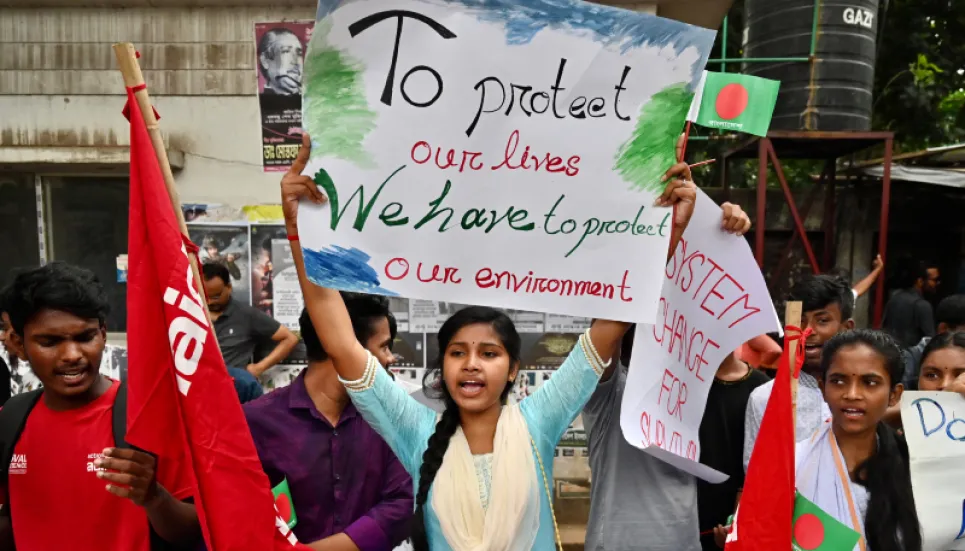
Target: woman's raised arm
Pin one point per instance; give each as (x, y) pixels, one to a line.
(325, 306)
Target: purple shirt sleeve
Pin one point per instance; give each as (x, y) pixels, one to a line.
(386, 525)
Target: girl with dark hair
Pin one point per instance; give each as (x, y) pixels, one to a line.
(855, 467)
(942, 361)
(483, 470)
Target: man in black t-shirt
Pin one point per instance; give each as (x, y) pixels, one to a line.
(241, 328)
(908, 315)
(722, 445)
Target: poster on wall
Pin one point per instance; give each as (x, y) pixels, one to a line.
(226, 244)
(263, 267)
(494, 156)
(279, 58)
(287, 301)
(546, 351)
(409, 350)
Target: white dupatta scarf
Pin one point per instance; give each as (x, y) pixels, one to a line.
(822, 477)
(512, 520)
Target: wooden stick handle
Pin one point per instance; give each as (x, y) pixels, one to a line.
(131, 71)
(792, 316)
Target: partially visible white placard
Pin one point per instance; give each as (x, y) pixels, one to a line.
(934, 426)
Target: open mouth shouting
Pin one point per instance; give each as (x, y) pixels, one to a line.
(853, 413)
(471, 388)
(812, 350)
(73, 376)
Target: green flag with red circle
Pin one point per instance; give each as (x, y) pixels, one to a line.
(283, 504)
(732, 101)
(814, 530)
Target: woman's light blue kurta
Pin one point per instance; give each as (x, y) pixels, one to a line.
(407, 425)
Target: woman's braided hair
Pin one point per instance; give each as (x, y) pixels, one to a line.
(435, 387)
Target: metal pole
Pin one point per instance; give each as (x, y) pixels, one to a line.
(815, 17)
(883, 230)
(798, 223)
(761, 200)
(759, 60)
(723, 45)
(830, 215)
(778, 271)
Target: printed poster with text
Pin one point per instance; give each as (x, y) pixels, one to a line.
(495, 152)
(714, 299)
(934, 425)
(280, 62)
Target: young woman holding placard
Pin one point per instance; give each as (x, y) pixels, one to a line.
(483, 470)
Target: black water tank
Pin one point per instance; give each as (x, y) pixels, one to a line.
(833, 91)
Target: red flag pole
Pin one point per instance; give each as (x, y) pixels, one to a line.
(133, 78)
(792, 318)
(683, 150)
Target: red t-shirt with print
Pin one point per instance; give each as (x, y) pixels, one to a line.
(56, 499)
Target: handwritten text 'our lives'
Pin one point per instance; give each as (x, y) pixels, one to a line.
(696, 278)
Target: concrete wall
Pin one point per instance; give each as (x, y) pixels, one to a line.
(59, 86)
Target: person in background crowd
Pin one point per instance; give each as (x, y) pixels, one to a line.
(862, 287)
(950, 316)
(7, 357)
(943, 361)
(909, 316)
(246, 385)
(636, 500)
(71, 488)
(854, 467)
(239, 327)
(722, 446)
(827, 303)
(942, 364)
(764, 351)
(348, 489)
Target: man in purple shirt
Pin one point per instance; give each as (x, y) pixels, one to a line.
(348, 489)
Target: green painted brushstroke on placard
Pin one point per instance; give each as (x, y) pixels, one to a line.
(650, 151)
(335, 112)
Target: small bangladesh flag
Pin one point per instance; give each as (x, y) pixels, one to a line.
(283, 504)
(732, 101)
(813, 529)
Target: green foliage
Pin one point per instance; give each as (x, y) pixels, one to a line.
(920, 73)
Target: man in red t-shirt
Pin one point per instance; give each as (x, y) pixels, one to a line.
(68, 487)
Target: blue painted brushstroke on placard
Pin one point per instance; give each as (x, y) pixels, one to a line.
(343, 269)
(524, 19)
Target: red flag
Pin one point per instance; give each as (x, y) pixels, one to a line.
(182, 403)
(763, 519)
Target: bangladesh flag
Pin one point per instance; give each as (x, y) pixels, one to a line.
(732, 101)
(283, 504)
(813, 529)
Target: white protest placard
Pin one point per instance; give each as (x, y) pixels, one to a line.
(934, 426)
(496, 152)
(713, 299)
